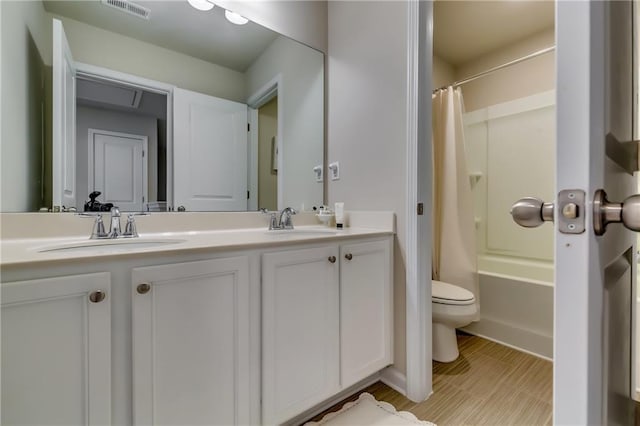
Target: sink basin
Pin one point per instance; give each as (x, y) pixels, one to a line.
(303, 231)
(108, 246)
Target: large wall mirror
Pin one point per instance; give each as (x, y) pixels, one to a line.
(157, 106)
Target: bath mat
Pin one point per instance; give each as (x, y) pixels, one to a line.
(371, 412)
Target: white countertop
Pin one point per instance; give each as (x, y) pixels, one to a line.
(22, 252)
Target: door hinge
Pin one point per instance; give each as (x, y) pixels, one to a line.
(420, 209)
(143, 199)
(142, 154)
(248, 127)
(248, 195)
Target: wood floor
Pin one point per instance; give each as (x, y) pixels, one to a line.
(489, 384)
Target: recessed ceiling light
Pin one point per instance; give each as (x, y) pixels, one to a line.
(235, 18)
(201, 4)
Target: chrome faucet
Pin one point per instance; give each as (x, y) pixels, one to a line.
(280, 220)
(285, 218)
(114, 231)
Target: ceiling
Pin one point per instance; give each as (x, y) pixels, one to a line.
(176, 25)
(466, 30)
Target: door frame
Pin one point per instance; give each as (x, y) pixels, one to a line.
(260, 97)
(145, 161)
(105, 74)
(418, 314)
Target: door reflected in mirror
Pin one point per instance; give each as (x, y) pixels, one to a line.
(180, 109)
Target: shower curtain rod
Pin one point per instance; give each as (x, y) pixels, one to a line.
(499, 67)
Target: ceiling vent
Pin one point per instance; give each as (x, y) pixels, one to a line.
(128, 7)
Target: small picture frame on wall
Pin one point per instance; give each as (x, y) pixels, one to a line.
(274, 155)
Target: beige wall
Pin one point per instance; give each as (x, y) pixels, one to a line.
(267, 178)
(517, 81)
(443, 73)
(26, 50)
(95, 46)
(367, 121)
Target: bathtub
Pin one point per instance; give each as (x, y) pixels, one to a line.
(516, 304)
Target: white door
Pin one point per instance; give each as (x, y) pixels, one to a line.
(56, 351)
(594, 289)
(191, 337)
(210, 153)
(64, 121)
(300, 331)
(118, 168)
(594, 274)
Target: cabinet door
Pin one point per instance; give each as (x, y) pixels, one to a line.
(366, 302)
(56, 351)
(191, 343)
(300, 331)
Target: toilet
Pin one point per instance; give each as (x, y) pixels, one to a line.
(452, 307)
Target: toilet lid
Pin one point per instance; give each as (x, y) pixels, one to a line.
(450, 294)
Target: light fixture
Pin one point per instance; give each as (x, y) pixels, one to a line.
(201, 4)
(235, 18)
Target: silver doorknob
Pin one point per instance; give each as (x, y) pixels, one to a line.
(182, 209)
(604, 212)
(531, 212)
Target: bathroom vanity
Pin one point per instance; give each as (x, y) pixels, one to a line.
(233, 326)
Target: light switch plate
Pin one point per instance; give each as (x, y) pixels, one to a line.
(318, 172)
(334, 170)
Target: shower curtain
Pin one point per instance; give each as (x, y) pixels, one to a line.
(454, 230)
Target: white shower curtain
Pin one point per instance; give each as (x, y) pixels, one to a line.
(454, 230)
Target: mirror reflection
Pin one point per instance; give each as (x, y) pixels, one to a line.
(156, 106)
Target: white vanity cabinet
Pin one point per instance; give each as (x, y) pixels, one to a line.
(244, 336)
(191, 343)
(56, 350)
(300, 331)
(366, 309)
(326, 323)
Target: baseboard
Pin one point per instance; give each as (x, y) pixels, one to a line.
(514, 337)
(307, 415)
(395, 379)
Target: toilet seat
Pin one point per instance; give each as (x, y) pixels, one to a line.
(449, 294)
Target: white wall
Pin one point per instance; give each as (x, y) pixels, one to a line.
(95, 46)
(113, 121)
(301, 100)
(26, 50)
(367, 121)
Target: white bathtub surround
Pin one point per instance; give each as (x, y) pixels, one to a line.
(454, 239)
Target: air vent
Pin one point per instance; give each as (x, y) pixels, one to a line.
(128, 7)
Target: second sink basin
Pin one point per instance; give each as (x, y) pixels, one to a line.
(109, 246)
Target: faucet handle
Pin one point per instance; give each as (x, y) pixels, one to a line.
(130, 230)
(98, 229)
(273, 220)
